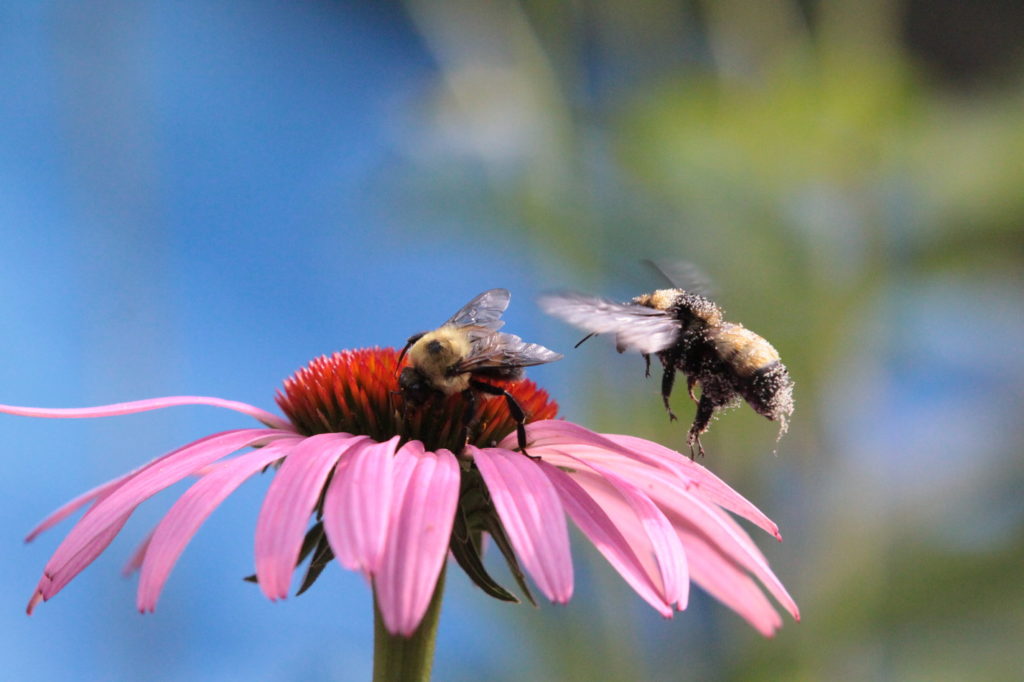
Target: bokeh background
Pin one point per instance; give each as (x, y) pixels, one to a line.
(198, 198)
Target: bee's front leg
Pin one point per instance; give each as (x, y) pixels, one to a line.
(514, 408)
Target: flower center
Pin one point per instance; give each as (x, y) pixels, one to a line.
(356, 391)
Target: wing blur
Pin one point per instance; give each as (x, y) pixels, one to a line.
(681, 274)
(636, 327)
(483, 311)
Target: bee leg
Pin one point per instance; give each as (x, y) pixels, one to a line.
(647, 366)
(668, 378)
(690, 383)
(514, 408)
(705, 410)
(467, 417)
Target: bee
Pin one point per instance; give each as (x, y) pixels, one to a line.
(455, 357)
(688, 333)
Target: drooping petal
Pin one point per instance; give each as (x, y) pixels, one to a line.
(532, 514)
(74, 505)
(181, 522)
(425, 494)
(649, 531)
(50, 584)
(712, 527)
(134, 562)
(135, 406)
(290, 501)
(602, 532)
(711, 486)
(687, 509)
(357, 505)
(686, 504)
(730, 584)
(553, 436)
(91, 535)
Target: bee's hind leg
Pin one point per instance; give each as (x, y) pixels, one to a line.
(668, 378)
(705, 410)
(514, 408)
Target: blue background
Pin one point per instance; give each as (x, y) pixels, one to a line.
(199, 198)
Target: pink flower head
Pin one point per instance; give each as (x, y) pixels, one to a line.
(389, 491)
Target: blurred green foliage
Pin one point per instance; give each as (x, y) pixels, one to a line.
(856, 208)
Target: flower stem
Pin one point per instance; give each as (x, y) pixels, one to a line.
(407, 659)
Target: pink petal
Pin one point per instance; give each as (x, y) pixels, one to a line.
(687, 510)
(173, 533)
(52, 583)
(357, 506)
(425, 494)
(74, 505)
(146, 405)
(532, 514)
(642, 523)
(553, 436)
(717, 531)
(290, 500)
(604, 534)
(555, 433)
(712, 487)
(92, 533)
(134, 562)
(730, 584)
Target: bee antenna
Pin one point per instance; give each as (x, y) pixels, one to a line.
(412, 339)
(585, 338)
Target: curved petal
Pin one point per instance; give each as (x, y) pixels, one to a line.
(602, 532)
(550, 436)
(425, 494)
(117, 409)
(290, 500)
(357, 505)
(530, 510)
(641, 521)
(724, 580)
(722, 536)
(686, 507)
(51, 584)
(688, 511)
(74, 505)
(711, 486)
(91, 535)
(134, 562)
(181, 522)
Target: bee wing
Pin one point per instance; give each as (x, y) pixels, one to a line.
(636, 327)
(483, 311)
(681, 274)
(497, 349)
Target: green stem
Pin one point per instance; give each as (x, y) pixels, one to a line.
(407, 659)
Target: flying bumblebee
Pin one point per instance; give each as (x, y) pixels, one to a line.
(687, 332)
(467, 348)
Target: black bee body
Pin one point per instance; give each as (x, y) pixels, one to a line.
(688, 334)
(468, 347)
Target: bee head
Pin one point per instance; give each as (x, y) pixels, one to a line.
(695, 311)
(413, 386)
(435, 352)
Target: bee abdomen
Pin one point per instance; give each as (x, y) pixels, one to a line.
(769, 391)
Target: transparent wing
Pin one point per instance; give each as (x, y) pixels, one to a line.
(681, 274)
(497, 349)
(636, 327)
(483, 311)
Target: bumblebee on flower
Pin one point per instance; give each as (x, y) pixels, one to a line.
(388, 492)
